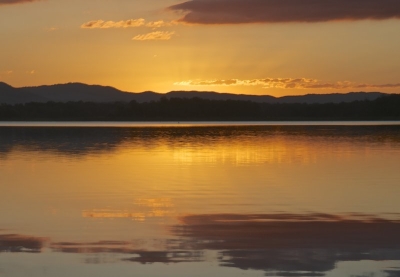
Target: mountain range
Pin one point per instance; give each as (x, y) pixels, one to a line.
(96, 93)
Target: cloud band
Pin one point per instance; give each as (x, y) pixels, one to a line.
(155, 36)
(101, 24)
(286, 83)
(275, 11)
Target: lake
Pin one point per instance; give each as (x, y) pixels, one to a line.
(200, 199)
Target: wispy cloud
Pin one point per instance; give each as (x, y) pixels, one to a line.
(286, 83)
(160, 23)
(155, 36)
(101, 24)
(9, 2)
(272, 11)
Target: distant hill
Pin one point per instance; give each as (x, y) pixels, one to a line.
(308, 98)
(95, 93)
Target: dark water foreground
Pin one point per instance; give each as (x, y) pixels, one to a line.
(200, 200)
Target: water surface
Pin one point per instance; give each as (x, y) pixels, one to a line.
(200, 199)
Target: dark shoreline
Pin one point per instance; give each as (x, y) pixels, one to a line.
(196, 109)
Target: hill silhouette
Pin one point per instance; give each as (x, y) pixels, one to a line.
(76, 92)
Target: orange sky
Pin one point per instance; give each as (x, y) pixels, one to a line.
(272, 47)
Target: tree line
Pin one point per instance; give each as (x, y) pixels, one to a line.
(180, 109)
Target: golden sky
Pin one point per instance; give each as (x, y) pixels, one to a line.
(274, 47)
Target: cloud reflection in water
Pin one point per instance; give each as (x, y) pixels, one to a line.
(279, 244)
(291, 244)
(20, 243)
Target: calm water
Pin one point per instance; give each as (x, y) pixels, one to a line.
(199, 199)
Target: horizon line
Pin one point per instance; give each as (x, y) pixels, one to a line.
(198, 91)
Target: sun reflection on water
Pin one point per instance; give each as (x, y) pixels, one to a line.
(277, 152)
(153, 208)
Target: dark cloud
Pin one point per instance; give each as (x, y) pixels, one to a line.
(8, 2)
(272, 11)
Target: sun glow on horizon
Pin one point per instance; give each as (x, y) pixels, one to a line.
(164, 51)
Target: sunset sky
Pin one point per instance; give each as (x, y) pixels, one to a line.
(274, 47)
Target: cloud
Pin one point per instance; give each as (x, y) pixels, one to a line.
(155, 36)
(286, 83)
(273, 11)
(8, 2)
(101, 24)
(160, 23)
